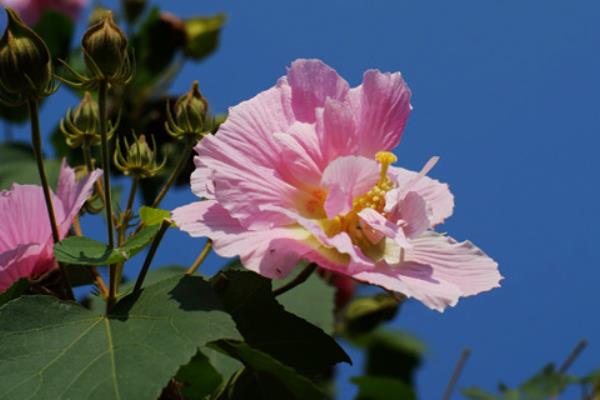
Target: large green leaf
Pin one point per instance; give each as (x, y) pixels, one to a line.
(265, 369)
(18, 166)
(313, 300)
(17, 288)
(382, 388)
(199, 378)
(55, 350)
(82, 250)
(266, 326)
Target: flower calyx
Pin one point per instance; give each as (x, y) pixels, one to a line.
(138, 159)
(105, 51)
(25, 64)
(81, 126)
(191, 119)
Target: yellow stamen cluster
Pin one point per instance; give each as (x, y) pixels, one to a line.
(374, 198)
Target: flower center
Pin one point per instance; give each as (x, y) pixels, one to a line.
(374, 198)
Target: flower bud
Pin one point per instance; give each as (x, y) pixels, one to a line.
(105, 47)
(25, 62)
(190, 117)
(139, 159)
(81, 126)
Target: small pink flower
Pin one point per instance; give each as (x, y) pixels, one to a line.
(26, 237)
(304, 171)
(31, 10)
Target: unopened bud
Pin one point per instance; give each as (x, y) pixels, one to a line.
(138, 159)
(81, 126)
(25, 62)
(191, 115)
(105, 47)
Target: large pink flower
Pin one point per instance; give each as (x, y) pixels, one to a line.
(26, 238)
(32, 10)
(303, 171)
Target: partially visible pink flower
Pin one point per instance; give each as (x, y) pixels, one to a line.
(304, 171)
(31, 10)
(26, 237)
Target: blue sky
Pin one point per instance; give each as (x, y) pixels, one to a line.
(506, 92)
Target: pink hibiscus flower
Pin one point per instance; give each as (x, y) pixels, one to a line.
(31, 10)
(304, 171)
(26, 238)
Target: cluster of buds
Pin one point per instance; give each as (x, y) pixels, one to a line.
(25, 64)
(138, 159)
(191, 120)
(81, 126)
(104, 47)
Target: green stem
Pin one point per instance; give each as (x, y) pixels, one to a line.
(87, 159)
(201, 257)
(166, 223)
(102, 94)
(302, 276)
(175, 174)
(130, 199)
(36, 141)
(122, 225)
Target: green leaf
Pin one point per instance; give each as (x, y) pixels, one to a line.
(16, 290)
(156, 43)
(97, 304)
(81, 250)
(199, 378)
(59, 350)
(202, 35)
(225, 365)
(391, 353)
(382, 388)
(475, 393)
(266, 326)
(153, 216)
(265, 369)
(56, 29)
(365, 314)
(547, 383)
(18, 166)
(313, 300)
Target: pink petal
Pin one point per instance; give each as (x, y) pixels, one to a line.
(413, 211)
(347, 178)
(312, 82)
(462, 264)
(413, 280)
(440, 201)
(24, 261)
(337, 132)
(243, 181)
(73, 194)
(384, 226)
(340, 242)
(300, 168)
(24, 216)
(202, 180)
(382, 106)
(272, 253)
